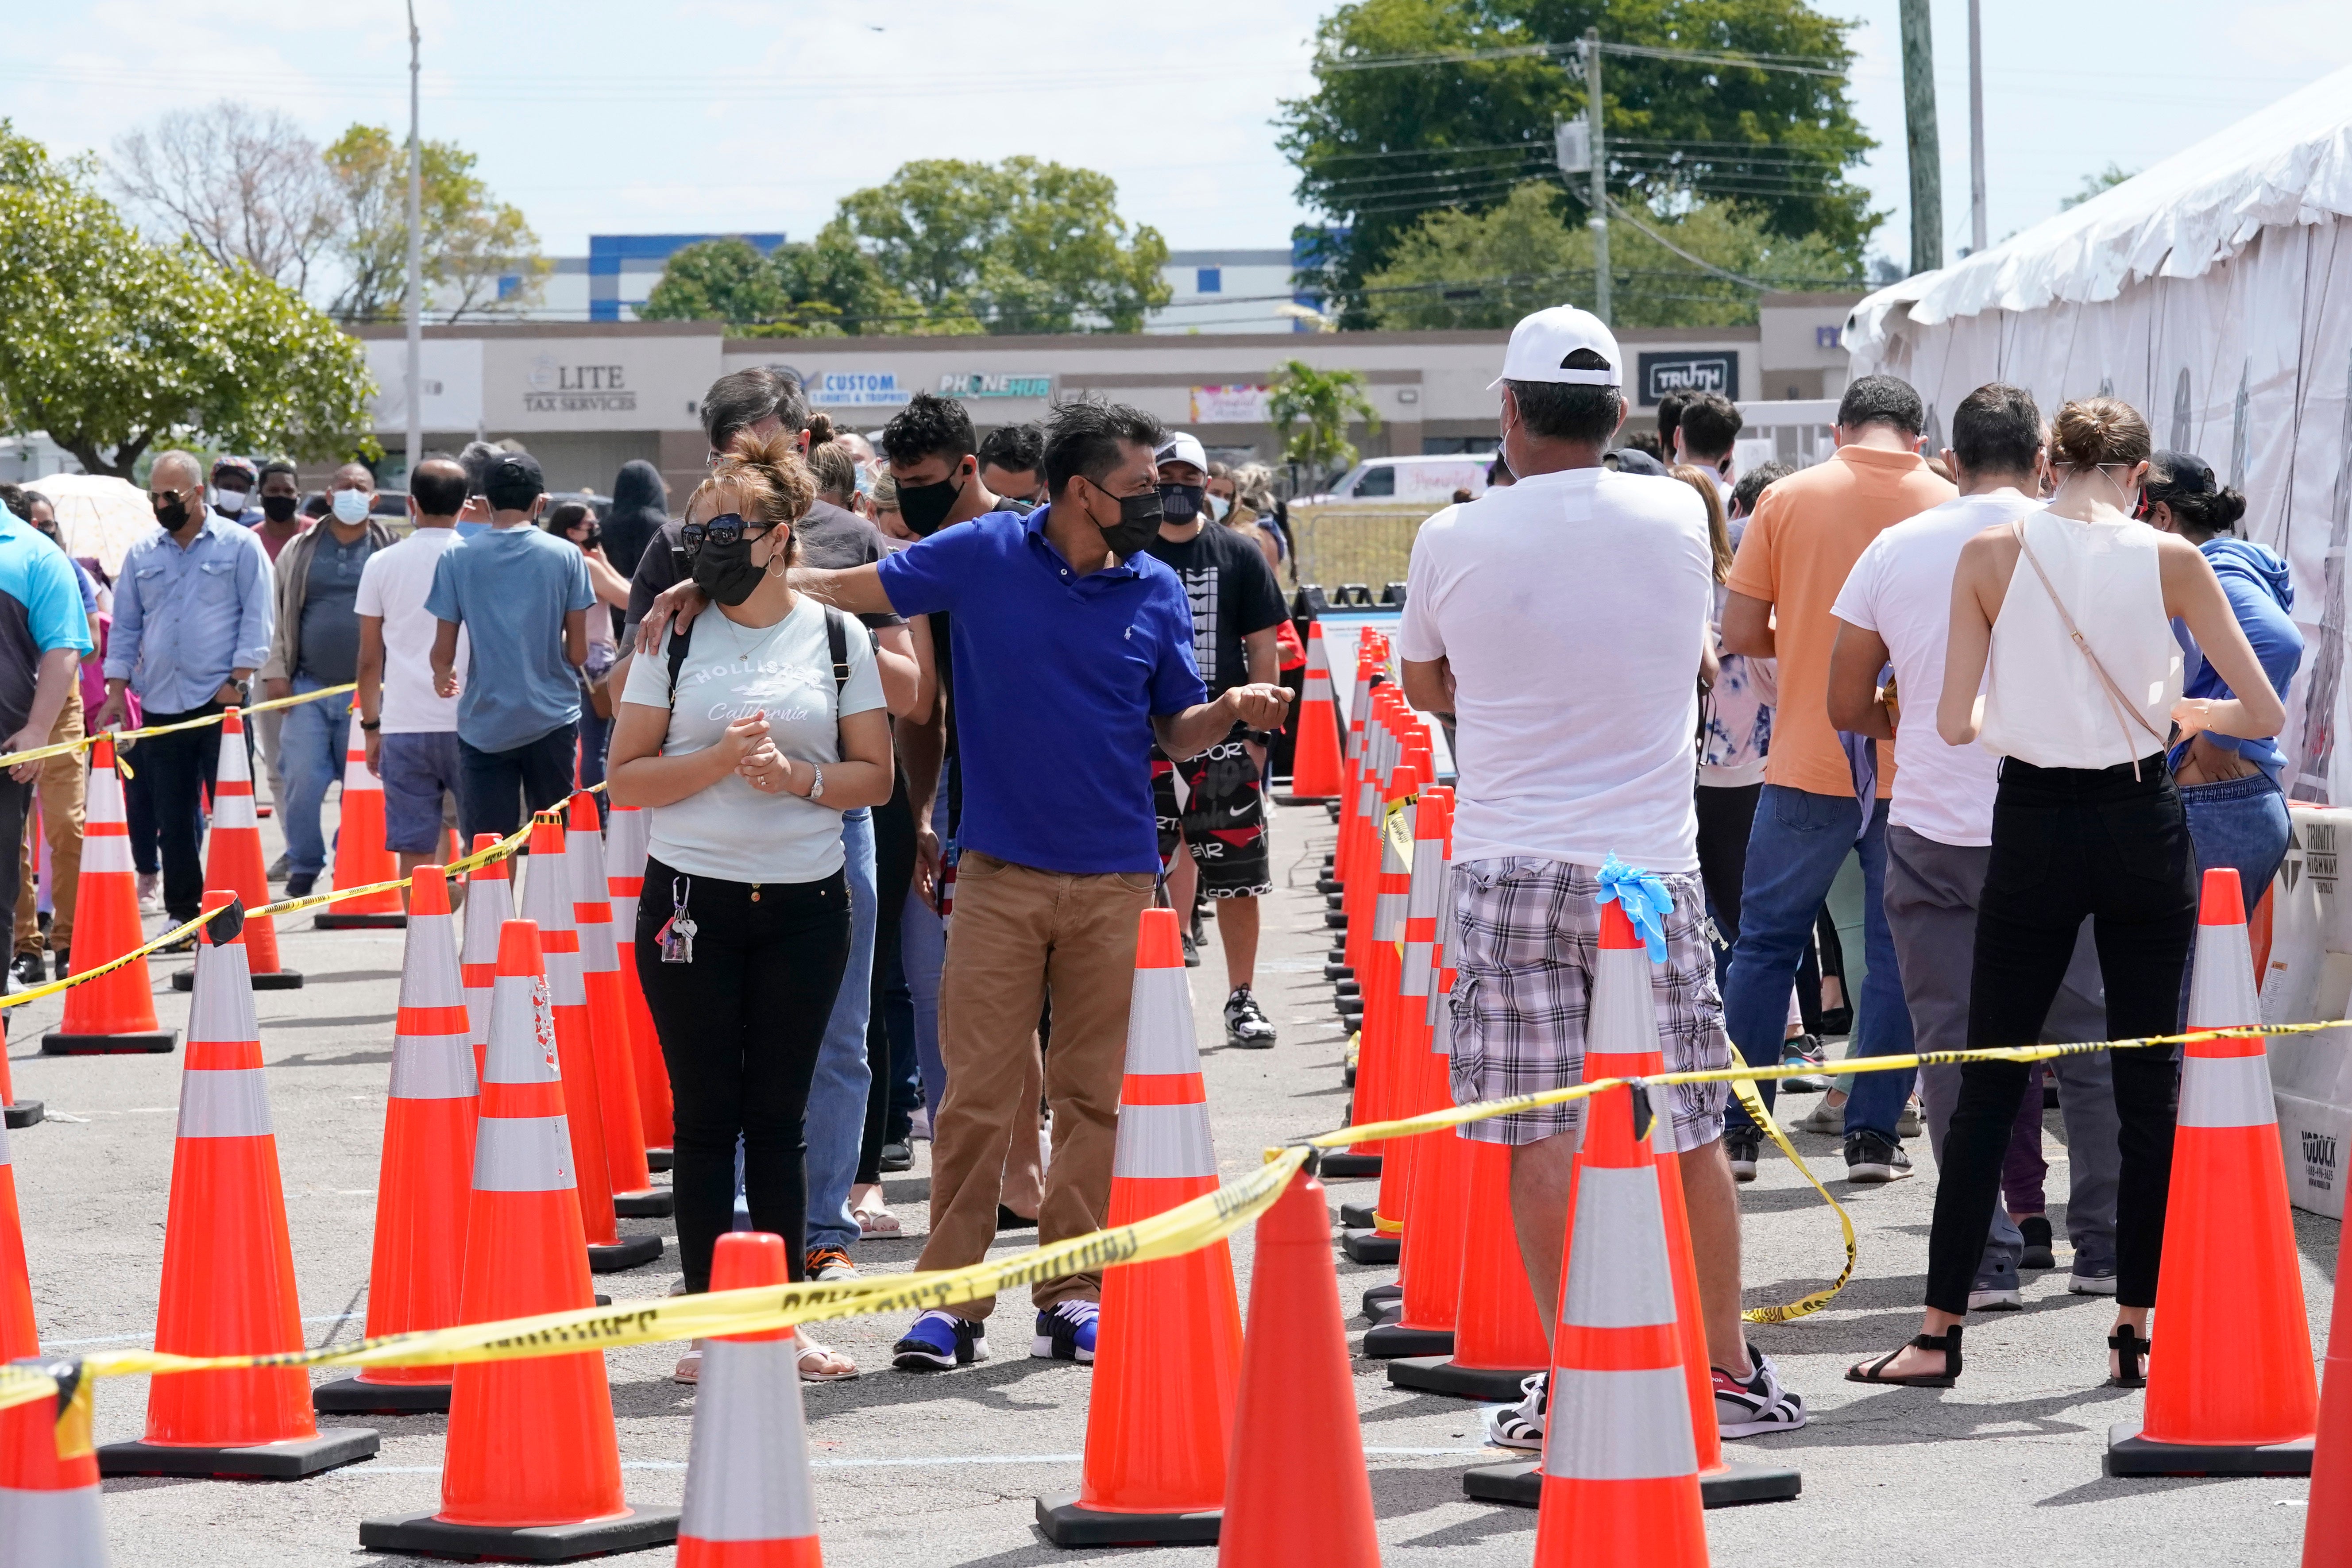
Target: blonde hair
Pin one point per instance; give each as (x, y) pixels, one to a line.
(1718, 532)
(836, 471)
(771, 482)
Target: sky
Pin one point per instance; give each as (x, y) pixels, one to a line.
(757, 115)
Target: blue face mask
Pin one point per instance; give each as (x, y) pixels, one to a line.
(351, 507)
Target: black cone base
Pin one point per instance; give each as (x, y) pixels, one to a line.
(1342, 1167)
(1383, 1301)
(1370, 1246)
(1356, 1216)
(653, 1202)
(351, 1396)
(23, 1113)
(634, 1252)
(157, 1042)
(1390, 1340)
(1438, 1374)
(635, 1531)
(277, 980)
(2129, 1454)
(291, 1461)
(1739, 1481)
(1065, 1523)
(657, 1158)
(325, 919)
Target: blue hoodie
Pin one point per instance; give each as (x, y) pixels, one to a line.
(2255, 579)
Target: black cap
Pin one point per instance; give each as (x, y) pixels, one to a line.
(516, 469)
(2183, 473)
(1634, 461)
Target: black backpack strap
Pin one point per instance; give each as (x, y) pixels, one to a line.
(837, 640)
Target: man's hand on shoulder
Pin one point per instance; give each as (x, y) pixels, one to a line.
(680, 601)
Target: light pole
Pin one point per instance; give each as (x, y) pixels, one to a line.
(1977, 238)
(415, 307)
(1919, 129)
(1599, 220)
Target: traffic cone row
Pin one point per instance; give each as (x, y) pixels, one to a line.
(361, 856)
(115, 1012)
(628, 834)
(489, 904)
(1376, 1097)
(634, 1192)
(234, 860)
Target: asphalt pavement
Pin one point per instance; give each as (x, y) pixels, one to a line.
(942, 1468)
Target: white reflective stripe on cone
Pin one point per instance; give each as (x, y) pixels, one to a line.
(429, 972)
(1415, 976)
(234, 810)
(52, 1529)
(220, 1007)
(1624, 1018)
(1162, 1140)
(522, 1154)
(107, 852)
(1619, 1425)
(6, 1158)
(521, 1046)
(1441, 1023)
(598, 953)
(433, 1067)
(232, 1102)
(1388, 916)
(747, 1466)
(2221, 987)
(102, 801)
(1318, 687)
(1160, 1038)
(624, 922)
(2227, 1091)
(1618, 1276)
(567, 978)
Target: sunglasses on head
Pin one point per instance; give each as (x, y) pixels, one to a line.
(727, 528)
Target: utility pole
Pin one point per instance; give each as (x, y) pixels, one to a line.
(415, 311)
(1977, 240)
(1599, 221)
(1926, 148)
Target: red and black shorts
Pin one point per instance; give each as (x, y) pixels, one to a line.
(1215, 804)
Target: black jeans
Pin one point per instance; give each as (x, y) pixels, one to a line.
(1725, 816)
(497, 788)
(740, 1028)
(179, 769)
(2067, 844)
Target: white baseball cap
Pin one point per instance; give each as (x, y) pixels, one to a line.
(1183, 447)
(1541, 343)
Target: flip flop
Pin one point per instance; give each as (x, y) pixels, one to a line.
(1948, 1341)
(809, 1349)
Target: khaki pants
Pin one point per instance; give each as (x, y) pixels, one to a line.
(60, 783)
(1016, 931)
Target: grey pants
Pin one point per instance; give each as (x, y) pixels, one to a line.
(1931, 907)
(266, 728)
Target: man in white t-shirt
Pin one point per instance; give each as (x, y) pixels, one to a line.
(411, 730)
(1581, 569)
(1896, 608)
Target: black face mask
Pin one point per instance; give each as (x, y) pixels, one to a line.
(924, 507)
(1138, 521)
(171, 513)
(1182, 503)
(279, 509)
(726, 572)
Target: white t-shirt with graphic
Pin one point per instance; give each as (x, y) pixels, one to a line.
(731, 831)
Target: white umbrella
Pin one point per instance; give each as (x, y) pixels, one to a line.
(98, 515)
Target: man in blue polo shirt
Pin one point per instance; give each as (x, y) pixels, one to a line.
(43, 636)
(1073, 652)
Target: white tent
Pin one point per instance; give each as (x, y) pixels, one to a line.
(2214, 293)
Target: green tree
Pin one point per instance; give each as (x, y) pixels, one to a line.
(1378, 147)
(115, 346)
(1017, 246)
(1471, 269)
(1313, 408)
(472, 240)
(824, 288)
(2106, 179)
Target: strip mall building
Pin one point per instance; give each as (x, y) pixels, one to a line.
(586, 397)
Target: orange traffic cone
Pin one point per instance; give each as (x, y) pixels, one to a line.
(2233, 1392)
(361, 856)
(1315, 756)
(1498, 1338)
(229, 1268)
(1377, 1067)
(1403, 1036)
(748, 1501)
(626, 834)
(1158, 1426)
(489, 904)
(1352, 755)
(48, 1503)
(533, 1465)
(117, 1011)
(547, 900)
(634, 1192)
(14, 1113)
(423, 1188)
(233, 860)
(2328, 1528)
(1299, 1496)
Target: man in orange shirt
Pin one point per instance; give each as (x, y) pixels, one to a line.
(1808, 530)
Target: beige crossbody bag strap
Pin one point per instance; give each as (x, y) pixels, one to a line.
(2125, 712)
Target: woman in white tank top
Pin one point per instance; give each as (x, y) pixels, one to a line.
(2063, 623)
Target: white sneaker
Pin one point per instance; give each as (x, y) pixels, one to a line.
(150, 893)
(1907, 1124)
(921, 1125)
(1822, 1118)
(1520, 1426)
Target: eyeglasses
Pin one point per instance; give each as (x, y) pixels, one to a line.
(727, 528)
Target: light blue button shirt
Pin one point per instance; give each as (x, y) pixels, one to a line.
(187, 616)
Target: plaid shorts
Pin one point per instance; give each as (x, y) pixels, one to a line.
(1527, 932)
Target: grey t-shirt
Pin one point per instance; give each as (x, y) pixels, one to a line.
(329, 646)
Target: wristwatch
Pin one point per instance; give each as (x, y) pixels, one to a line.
(816, 788)
(244, 690)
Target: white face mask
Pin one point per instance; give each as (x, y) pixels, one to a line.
(229, 501)
(351, 507)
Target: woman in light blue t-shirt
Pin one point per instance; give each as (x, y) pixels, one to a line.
(744, 929)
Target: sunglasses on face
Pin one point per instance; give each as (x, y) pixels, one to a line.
(727, 528)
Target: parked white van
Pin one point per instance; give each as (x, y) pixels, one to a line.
(1413, 478)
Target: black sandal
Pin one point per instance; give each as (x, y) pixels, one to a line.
(2131, 1351)
(1948, 1341)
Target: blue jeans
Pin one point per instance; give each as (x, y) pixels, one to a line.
(2240, 824)
(1794, 850)
(922, 954)
(312, 742)
(835, 1126)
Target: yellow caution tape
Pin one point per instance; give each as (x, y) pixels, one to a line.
(1803, 1306)
(63, 748)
